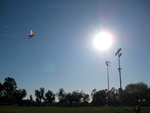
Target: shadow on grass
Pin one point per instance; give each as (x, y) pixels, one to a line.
(124, 109)
(128, 110)
(113, 109)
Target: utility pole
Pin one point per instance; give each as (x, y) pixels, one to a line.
(120, 90)
(107, 64)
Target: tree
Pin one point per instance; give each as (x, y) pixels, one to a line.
(31, 98)
(50, 97)
(9, 86)
(69, 98)
(148, 95)
(113, 97)
(77, 96)
(20, 94)
(1, 90)
(135, 93)
(99, 97)
(93, 97)
(85, 98)
(38, 97)
(9, 92)
(42, 90)
(61, 96)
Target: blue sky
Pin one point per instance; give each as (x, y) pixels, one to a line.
(61, 53)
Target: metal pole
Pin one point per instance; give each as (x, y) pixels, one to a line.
(119, 54)
(120, 80)
(119, 71)
(108, 76)
(107, 64)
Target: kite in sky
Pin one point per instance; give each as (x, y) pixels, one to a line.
(31, 34)
(6, 26)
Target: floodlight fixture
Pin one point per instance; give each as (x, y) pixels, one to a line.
(120, 54)
(107, 62)
(118, 51)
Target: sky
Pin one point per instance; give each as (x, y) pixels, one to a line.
(61, 52)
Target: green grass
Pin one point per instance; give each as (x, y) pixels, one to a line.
(16, 109)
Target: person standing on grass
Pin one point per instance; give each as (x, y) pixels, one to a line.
(138, 109)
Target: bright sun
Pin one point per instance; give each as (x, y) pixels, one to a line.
(103, 41)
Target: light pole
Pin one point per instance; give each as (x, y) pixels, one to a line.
(107, 64)
(120, 90)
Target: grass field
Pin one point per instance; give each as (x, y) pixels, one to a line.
(16, 109)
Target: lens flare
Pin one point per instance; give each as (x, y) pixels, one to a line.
(49, 67)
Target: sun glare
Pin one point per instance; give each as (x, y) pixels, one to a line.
(103, 41)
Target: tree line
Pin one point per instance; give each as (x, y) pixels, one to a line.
(133, 94)
(9, 92)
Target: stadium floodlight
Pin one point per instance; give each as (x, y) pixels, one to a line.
(118, 51)
(119, 55)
